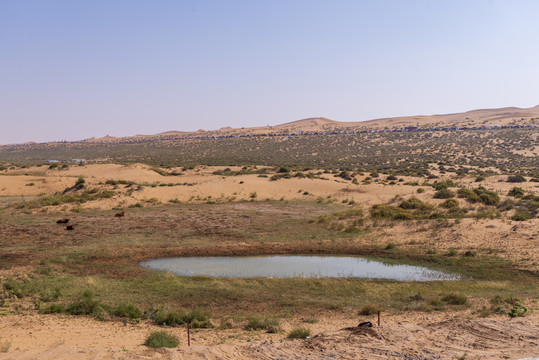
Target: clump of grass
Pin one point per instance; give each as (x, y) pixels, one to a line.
(197, 318)
(521, 215)
(310, 320)
(85, 305)
(455, 299)
(271, 325)
(161, 339)
(299, 333)
(369, 309)
(128, 311)
(390, 246)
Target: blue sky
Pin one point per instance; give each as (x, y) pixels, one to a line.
(72, 69)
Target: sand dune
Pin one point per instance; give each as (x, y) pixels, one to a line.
(500, 116)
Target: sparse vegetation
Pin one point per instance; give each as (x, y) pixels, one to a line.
(161, 339)
(299, 333)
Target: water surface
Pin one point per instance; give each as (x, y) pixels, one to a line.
(294, 266)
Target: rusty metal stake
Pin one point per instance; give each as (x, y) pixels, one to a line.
(188, 334)
(378, 317)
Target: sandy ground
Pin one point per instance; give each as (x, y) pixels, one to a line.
(199, 185)
(414, 336)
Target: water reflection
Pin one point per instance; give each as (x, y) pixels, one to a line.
(294, 266)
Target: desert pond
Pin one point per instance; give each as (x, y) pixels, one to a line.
(294, 266)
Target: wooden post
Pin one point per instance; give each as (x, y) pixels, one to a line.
(188, 334)
(378, 317)
(513, 302)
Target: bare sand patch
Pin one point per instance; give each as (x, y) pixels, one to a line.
(411, 336)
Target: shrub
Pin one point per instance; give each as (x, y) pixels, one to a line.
(369, 309)
(271, 325)
(521, 215)
(442, 185)
(168, 317)
(455, 299)
(197, 318)
(415, 203)
(127, 310)
(299, 333)
(450, 204)
(518, 310)
(444, 193)
(80, 183)
(506, 205)
(389, 212)
(516, 178)
(480, 178)
(86, 305)
(468, 195)
(516, 192)
(161, 339)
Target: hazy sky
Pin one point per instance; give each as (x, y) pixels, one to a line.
(72, 69)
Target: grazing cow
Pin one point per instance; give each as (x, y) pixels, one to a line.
(70, 227)
(62, 221)
(120, 214)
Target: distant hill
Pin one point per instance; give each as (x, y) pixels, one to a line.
(481, 117)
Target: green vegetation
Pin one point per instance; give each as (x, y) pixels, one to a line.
(299, 333)
(271, 325)
(396, 152)
(161, 339)
(455, 299)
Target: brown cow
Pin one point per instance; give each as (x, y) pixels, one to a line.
(120, 214)
(70, 227)
(62, 221)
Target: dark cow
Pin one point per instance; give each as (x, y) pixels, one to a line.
(70, 227)
(62, 221)
(120, 214)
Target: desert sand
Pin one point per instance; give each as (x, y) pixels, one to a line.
(424, 336)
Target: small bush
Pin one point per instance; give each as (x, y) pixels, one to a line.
(369, 309)
(450, 204)
(518, 310)
(455, 299)
(168, 317)
(516, 192)
(415, 204)
(389, 212)
(521, 215)
(299, 333)
(444, 193)
(271, 325)
(516, 178)
(80, 183)
(161, 339)
(128, 311)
